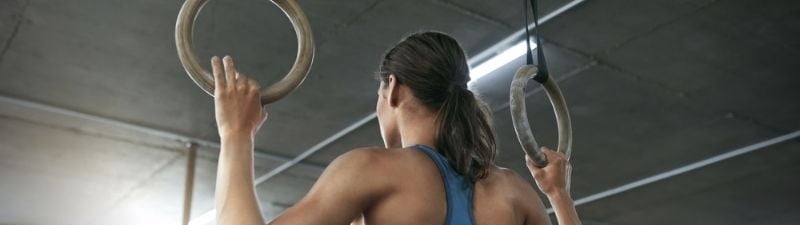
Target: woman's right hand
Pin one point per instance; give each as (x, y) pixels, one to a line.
(552, 179)
(237, 100)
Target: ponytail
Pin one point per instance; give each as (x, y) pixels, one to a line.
(465, 135)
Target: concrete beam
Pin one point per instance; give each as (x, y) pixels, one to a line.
(138, 128)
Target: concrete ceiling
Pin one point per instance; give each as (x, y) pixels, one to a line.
(652, 85)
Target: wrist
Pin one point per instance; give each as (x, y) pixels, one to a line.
(238, 135)
(236, 139)
(559, 195)
(236, 147)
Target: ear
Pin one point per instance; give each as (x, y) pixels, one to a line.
(393, 91)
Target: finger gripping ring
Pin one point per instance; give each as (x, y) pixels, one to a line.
(305, 50)
(519, 115)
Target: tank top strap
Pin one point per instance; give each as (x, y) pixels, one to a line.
(458, 189)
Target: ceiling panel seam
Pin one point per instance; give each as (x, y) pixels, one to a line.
(346, 24)
(660, 26)
(676, 92)
(471, 13)
(10, 40)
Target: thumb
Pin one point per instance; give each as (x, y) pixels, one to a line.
(264, 113)
(531, 164)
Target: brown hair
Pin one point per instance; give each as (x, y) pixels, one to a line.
(434, 66)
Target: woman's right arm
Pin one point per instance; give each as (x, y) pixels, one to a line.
(564, 208)
(552, 181)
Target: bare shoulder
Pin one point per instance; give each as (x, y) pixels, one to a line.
(364, 154)
(362, 166)
(522, 195)
(382, 156)
(505, 178)
(376, 161)
(513, 185)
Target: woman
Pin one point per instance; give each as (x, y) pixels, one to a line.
(437, 166)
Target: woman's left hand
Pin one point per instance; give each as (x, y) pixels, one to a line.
(553, 178)
(237, 100)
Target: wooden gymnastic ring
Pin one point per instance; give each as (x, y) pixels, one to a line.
(519, 114)
(272, 93)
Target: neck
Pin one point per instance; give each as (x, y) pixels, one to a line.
(417, 128)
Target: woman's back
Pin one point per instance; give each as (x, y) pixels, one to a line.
(418, 195)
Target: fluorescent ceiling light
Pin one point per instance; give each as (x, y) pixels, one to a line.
(499, 60)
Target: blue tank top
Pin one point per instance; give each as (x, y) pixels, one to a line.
(457, 188)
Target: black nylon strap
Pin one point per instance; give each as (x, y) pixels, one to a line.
(543, 75)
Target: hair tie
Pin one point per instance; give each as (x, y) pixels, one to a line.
(453, 88)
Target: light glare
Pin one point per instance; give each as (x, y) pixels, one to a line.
(204, 219)
(498, 61)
